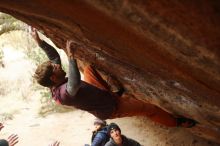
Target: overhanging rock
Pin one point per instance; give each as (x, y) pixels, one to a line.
(164, 52)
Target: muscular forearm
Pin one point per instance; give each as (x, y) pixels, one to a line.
(51, 52)
(74, 80)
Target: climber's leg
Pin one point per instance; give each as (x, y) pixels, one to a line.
(93, 77)
(161, 116)
(128, 106)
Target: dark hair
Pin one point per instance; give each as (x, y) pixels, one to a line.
(113, 126)
(100, 122)
(3, 142)
(43, 74)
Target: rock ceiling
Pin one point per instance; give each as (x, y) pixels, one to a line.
(166, 52)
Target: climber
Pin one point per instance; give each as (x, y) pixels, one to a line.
(93, 94)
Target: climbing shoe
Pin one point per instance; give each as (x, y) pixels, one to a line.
(185, 122)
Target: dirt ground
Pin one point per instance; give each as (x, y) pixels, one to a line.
(74, 129)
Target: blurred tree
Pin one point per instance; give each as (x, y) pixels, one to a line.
(18, 37)
(9, 23)
(1, 58)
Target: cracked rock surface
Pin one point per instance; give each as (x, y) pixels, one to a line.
(165, 52)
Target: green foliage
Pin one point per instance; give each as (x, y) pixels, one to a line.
(49, 106)
(9, 23)
(1, 58)
(6, 116)
(19, 39)
(35, 54)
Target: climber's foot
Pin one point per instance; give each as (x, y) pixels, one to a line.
(186, 123)
(120, 91)
(114, 85)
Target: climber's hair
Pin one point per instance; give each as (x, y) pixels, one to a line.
(43, 74)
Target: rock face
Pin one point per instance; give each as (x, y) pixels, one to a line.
(165, 52)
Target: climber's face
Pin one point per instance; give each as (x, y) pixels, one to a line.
(58, 73)
(115, 134)
(97, 127)
(57, 70)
